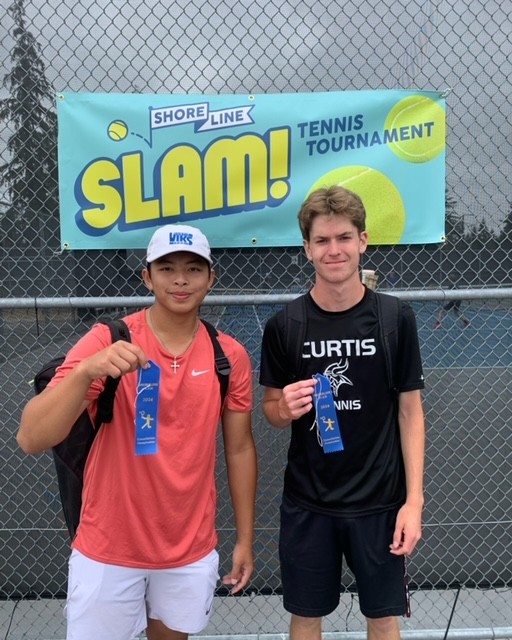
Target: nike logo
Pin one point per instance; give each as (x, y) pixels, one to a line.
(199, 373)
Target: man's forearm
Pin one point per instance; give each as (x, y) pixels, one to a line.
(47, 418)
(274, 415)
(412, 438)
(242, 470)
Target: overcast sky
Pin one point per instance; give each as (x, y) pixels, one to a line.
(263, 46)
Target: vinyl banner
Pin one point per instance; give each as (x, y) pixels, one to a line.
(240, 166)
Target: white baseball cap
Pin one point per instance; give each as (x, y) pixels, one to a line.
(178, 237)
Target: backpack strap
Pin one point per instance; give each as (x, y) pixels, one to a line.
(118, 331)
(295, 332)
(222, 364)
(389, 309)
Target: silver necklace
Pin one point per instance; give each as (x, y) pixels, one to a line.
(174, 365)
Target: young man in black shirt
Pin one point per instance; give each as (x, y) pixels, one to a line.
(353, 485)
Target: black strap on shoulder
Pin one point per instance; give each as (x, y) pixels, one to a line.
(388, 308)
(295, 328)
(222, 364)
(118, 331)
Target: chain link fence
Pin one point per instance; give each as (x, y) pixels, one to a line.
(461, 573)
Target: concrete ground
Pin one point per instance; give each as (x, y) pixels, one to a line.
(478, 614)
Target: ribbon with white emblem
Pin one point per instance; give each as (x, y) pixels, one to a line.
(326, 417)
(146, 410)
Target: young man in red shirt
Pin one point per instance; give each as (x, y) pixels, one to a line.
(144, 556)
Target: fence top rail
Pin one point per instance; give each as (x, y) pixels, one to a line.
(418, 295)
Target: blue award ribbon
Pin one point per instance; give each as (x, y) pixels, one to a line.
(326, 417)
(146, 411)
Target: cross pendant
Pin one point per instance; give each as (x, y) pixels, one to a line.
(175, 366)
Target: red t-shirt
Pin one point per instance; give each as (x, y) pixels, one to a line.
(157, 511)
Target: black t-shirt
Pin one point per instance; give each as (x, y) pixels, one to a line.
(368, 475)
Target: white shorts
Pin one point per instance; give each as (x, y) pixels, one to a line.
(108, 602)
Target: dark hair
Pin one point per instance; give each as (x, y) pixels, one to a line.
(332, 201)
(148, 264)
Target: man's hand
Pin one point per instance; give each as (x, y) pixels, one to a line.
(116, 360)
(296, 399)
(241, 571)
(407, 530)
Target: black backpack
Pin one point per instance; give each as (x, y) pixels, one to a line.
(71, 454)
(389, 309)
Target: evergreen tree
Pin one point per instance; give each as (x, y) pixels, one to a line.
(30, 174)
(481, 237)
(506, 234)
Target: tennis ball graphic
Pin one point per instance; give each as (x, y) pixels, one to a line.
(385, 210)
(117, 130)
(420, 122)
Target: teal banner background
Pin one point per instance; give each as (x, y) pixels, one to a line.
(240, 166)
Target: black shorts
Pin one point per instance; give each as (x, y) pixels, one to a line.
(453, 304)
(311, 548)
